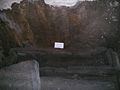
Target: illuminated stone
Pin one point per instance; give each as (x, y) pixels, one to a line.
(67, 3)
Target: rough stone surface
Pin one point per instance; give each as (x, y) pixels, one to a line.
(6, 4)
(86, 25)
(22, 76)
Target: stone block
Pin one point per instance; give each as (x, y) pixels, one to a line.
(21, 76)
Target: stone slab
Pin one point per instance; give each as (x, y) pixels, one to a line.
(21, 76)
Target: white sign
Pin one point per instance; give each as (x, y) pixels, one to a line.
(59, 45)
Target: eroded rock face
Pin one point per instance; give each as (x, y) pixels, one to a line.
(86, 25)
(6, 4)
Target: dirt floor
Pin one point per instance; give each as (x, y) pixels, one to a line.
(58, 83)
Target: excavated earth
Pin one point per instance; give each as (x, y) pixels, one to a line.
(86, 25)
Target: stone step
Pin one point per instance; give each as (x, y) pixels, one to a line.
(78, 70)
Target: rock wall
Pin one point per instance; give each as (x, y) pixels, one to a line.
(83, 26)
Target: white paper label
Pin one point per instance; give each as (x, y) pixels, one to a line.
(59, 45)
